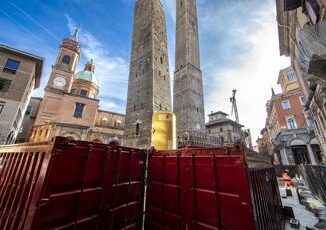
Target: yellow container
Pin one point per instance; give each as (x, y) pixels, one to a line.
(164, 131)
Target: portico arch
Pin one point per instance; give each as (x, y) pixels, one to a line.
(297, 141)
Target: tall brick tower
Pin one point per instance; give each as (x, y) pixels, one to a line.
(149, 79)
(188, 84)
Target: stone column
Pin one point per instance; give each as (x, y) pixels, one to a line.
(284, 157)
(311, 155)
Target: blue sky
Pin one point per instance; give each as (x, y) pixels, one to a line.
(238, 41)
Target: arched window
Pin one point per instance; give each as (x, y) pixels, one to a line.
(66, 59)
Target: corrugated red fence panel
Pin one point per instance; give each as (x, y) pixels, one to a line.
(206, 190)
(71, 185)
(20, 172)
(81, 185)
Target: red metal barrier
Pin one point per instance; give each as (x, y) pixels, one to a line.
(68, 184)
(202, 189)
(80, 185)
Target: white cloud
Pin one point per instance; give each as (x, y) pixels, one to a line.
(253, 75)
(110, 105)
(111, 71)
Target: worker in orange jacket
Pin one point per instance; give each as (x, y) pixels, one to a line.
(286, 178)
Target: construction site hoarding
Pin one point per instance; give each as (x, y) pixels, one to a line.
(71, 185)
(68, 184)
(211, 189)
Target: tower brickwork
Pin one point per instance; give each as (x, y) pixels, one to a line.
(149, 78)
(188, 83)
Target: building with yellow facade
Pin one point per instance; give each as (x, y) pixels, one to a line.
(70, 106)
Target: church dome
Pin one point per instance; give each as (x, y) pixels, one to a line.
(88, 73)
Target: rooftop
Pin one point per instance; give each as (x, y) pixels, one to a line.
(217, 113)
(223, 121)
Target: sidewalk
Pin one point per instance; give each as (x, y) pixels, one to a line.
(306, 218)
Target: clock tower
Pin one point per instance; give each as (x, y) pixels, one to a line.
(61, 77)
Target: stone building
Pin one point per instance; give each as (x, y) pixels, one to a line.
(302, 37)
(20, 74)
(149, 77)
(70, 106)
(28, 120)
(188, 83)
(227, 131)
(263, 144)
(291, 139)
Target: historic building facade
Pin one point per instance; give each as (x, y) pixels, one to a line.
(302, 37)
(70, 106)
(288, 134)
(149, 77)
(263, 144)
(227, 131)
(188, 83)
(20, 74)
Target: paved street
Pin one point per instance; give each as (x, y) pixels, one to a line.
(306, 218)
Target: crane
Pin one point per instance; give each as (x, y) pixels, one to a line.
(234, 105)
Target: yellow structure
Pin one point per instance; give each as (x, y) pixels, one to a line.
(288, 79)
(164, 131)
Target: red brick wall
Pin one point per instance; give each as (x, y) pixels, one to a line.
(296, 110)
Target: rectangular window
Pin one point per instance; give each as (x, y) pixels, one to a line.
(73, 91)
(291, 123)
(302, 101)
(308, 121)
(79, 109)
(4, 84)
(83, 93)
(11, 66)
(286, 105)
(2, 105)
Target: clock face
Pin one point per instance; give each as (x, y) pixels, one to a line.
(59, 82)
